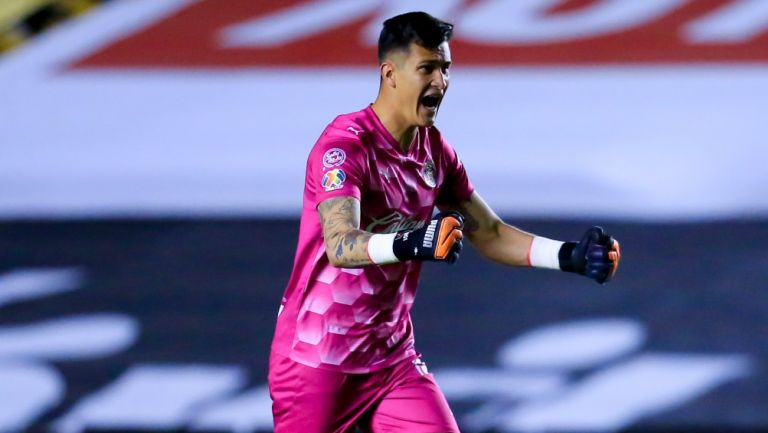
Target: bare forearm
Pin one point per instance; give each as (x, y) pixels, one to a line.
(511, 246)
(348, 249)
(345, 244)
(493, 238)
(504, 244)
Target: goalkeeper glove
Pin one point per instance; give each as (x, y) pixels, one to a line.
(438, 240)
(595, 256)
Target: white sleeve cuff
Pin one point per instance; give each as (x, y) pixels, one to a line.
(544, 253)
(380, 249)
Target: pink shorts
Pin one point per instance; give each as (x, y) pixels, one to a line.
(400, 398)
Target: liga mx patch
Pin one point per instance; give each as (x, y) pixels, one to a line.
(334, 179)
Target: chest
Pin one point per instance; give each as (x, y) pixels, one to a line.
(401, 191)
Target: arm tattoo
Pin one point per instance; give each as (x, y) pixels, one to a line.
(340, 218)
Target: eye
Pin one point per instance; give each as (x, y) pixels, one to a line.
(428, 69)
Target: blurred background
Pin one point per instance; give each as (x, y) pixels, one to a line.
(152, 157)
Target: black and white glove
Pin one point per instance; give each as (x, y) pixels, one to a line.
(595, 256)
(438, 240)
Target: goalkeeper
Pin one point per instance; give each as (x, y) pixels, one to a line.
(343, 354)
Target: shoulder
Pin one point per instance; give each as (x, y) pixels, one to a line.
(351, 125)
(343, 140)
(347, 129)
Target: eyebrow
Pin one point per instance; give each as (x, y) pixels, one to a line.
(435, 62)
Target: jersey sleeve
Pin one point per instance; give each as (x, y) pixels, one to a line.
(456, 187)
(337, 166)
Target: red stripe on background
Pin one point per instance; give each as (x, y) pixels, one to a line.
(189, 39)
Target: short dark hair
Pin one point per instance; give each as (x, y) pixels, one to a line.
(418, 27)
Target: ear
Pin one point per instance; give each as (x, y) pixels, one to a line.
(387, 73)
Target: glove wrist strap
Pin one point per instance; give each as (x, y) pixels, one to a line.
(564, 257)
(544, 253)
(380, 249)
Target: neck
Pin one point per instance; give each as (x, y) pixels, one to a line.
(399, 128)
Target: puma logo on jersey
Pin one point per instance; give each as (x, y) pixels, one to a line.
(421, 366)
(353, 130)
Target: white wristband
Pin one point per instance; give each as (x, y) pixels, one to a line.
(380, 249)
(544, 253)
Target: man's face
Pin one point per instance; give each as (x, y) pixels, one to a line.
(421, 82)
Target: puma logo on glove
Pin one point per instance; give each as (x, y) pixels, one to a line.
(440, 240)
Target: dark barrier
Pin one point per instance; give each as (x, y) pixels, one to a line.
(166, 325)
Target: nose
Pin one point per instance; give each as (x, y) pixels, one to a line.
(440, 80)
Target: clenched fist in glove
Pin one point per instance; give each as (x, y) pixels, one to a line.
(596, 255)
(438, 240)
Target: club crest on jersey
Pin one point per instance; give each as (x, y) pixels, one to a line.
(334, 179)
(428, 173)
(334, 157)
(384, 172)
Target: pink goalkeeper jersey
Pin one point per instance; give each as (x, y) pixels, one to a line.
(358, 320)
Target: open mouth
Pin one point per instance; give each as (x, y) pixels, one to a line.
(430, 101)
